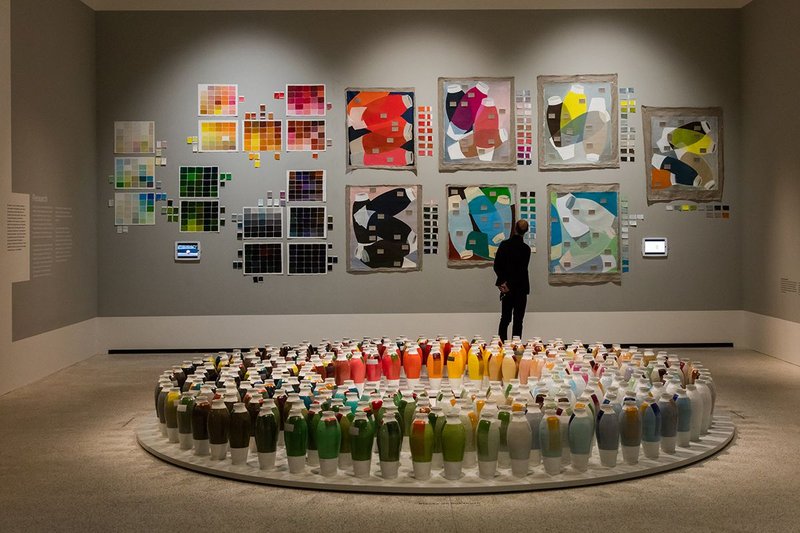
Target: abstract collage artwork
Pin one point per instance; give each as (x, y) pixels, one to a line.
(262, 135)
(479, 218)
(217, 100)
(134, 208)
(476, 124)
(263, 258)
(307, 222)
(383, 227)
(134, 137)
(219, 136)
(683, 150)
(305, 100)
(262, 223)
(199, 216)
(380, 129)
(305, 185)
(578, 122)
(584, 234)
(134, 173)
(308, 258)
(305, 135)
(199, 182)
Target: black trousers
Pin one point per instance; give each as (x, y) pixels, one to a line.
(512, 304)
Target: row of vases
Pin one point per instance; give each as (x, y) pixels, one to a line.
(560, 434)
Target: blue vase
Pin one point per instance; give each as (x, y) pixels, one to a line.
(608, 435)
(669, 423)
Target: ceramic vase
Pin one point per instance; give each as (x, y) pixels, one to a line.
(184, 415)
(345, 418)
(503, 456)
(518, 438)
(453, 440)
(607, 435)
(437, 419)
(684, 407)
(412, 365)
(219, 420)
(630, 431)
(702, 386)
(698, 407)
(171, 413)
(358, 371)
(200, 412)
(295, 435)
(421, 442)
(669, 423)
(329, 441)
(312, 419)
(266, 433)
(435, 367)
(534, 416)
(550, 440)
(651, 429)
(525, 367)
(390, 439)
(488, 443)
(362, 435)
(580, 433)
(253, 408)
(455, 370)
(469, 419)
(239, 435)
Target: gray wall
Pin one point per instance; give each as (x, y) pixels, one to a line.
(53, 125)
(149, 65)
(771, 243)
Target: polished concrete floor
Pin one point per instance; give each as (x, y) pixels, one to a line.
(70, 461)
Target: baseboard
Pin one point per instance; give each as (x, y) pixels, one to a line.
(772, 336)
(644, 328)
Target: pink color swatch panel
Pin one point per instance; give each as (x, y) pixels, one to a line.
(305, 100)
(305, 135)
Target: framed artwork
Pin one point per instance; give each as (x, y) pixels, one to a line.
(479, 218)
(476, 121)
(683, 149)
(578, 122)
(584, 234)
(383, 225)
(380, 129)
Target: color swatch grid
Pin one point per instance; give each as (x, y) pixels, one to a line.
(305, 100)
(307, 222)
(199, 216)
(219, 135)
(524, 116)
(134, 173)
(430, 226)
(263, 136)
(217, 100)
(134, 208)
(627, 133)
(305, 135)
(263, 258)
(262, 223)
(308, 258)
(424, 131)
(134, 137)
(306, 185)
(527, 211)
(199, 182)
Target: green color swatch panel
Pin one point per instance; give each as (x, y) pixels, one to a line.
(199, 182)
(199, 216)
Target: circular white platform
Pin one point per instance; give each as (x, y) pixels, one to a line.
(149, 437)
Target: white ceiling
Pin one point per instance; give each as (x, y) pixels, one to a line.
(290, 5)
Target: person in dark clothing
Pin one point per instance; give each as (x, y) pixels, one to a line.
(511, 267)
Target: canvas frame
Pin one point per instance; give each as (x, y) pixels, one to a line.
(350, 167)
(583, 278)
(446, 166)
(543, 132)
(696, 195)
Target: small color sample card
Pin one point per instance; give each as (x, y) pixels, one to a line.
(306, 185)
(263, 136)
(199, 216)
(308, 258)
(199, 182)
(134, 173)
(217, 100)
(305, 135)
(263, 258)
(134, 137)
(219, 135)
(305, 100)
(134, 208)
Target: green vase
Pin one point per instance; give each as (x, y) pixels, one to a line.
(503, 456)
(184, 414)
(421, 442)
(171, 413)
(329, 441)
(295, 434)
(488, 443)
(362, 435)
(453, 443)
(219, 420)
(239, 435)
(312, 418)
(200, 412)
(345, 421)
(267, 429)
(390, 440)
(437, 421)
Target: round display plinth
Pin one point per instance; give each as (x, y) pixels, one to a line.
(150, 438)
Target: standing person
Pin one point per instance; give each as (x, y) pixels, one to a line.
(511, 267)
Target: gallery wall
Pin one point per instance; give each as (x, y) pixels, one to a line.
(771, 243)
(53, 154)
(149, 65)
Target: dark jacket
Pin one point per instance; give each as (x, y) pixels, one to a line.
(511, 265)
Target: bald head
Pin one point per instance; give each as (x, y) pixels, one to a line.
(521, 227)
